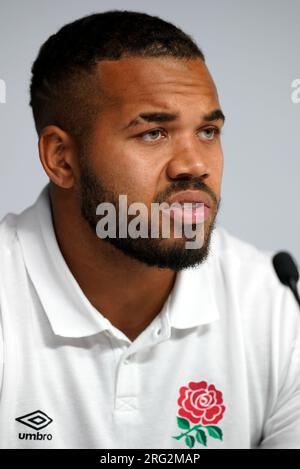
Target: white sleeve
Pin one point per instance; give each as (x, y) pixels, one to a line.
(1, 327)
(1, 354)
(282, 425)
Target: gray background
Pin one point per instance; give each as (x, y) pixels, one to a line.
(252, 49)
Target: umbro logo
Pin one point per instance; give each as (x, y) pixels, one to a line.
(36, 420)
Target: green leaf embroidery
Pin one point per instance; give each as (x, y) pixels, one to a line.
(183, 423)
(215, 432)
(190, 441)
(201, 437)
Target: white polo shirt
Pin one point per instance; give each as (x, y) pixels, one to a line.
(218, 367)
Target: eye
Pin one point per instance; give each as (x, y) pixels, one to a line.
(151, 135)
(210, 132)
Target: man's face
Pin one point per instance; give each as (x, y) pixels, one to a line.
(153, 158)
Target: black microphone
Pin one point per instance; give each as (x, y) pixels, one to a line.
(287, 271)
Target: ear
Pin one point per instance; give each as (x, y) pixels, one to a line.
(57, 152)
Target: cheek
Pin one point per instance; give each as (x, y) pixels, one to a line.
(216, 174)
(124, 173)
(218, 167)
(221, 167)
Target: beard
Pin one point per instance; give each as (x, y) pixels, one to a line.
(155, 252)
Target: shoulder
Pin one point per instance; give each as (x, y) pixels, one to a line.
(250, 294)
(224, 242)
(241, 260)
(8, 242)
(12, 224)
(8, 231)
(245, 279)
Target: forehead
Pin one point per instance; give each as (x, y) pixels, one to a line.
(161, 81)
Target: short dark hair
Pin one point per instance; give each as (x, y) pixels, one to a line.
(62, 89)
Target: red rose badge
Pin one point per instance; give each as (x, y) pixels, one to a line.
(200, 404)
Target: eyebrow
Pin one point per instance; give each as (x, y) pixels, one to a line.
(159, 117)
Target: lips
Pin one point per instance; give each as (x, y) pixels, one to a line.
(197, 211)
(190, 197)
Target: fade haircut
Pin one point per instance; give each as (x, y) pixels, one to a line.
(64, 89)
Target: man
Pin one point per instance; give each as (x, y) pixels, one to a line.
(137, 341)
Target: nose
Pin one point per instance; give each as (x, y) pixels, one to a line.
(188, 161)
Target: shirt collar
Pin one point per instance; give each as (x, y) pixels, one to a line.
(190, 303)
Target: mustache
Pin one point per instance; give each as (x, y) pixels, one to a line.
(184, 185)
